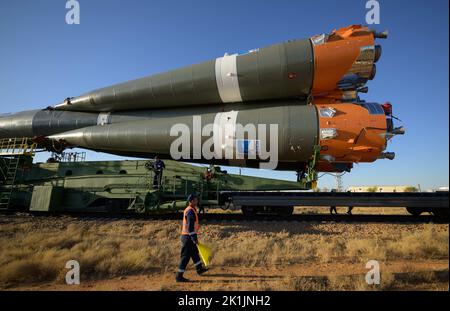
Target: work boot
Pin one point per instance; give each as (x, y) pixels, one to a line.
(201, 270)
(180, 278)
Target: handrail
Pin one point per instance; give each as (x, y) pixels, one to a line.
(17, 146)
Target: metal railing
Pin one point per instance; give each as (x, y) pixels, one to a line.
(69, 157)
(186, 184)
(17, 147)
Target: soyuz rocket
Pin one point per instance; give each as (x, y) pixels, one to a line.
(308, 89)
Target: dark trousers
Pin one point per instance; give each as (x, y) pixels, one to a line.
(157, 179)
(188, 250)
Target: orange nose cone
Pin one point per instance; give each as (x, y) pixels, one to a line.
(344, 59)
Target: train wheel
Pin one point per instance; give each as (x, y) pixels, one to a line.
(414, 211)
(248, 211)
(285, 211)
(440, 212)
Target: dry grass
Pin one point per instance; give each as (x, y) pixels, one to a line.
(102, 251)
(388, 281)
(36, 250)
(284, 248)
(356, 210)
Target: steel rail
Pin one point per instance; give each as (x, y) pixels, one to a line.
(235, 217)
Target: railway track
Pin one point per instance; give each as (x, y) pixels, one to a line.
(233, 217)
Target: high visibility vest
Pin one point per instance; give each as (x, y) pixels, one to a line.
(185, 229)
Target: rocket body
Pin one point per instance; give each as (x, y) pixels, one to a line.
(275, 106)
(239, 134)
(322, 65)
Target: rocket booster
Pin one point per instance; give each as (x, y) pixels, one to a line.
(299, 128)
(326, 65)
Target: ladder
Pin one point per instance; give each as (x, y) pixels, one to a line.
(12, 151)
(9, 178)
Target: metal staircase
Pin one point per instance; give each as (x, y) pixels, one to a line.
(12, 153)
(9, 177)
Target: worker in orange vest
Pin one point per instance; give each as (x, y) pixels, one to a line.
(189, 240)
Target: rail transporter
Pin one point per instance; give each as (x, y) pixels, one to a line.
(67, 183)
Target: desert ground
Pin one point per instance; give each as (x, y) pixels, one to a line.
(117, 254)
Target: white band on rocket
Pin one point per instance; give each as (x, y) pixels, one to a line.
(227, 79)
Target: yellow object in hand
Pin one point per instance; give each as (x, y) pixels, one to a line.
(205, 253)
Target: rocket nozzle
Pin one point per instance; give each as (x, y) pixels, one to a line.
(399, 131)
(381, 35)
(387, 155)
(373, 73)
(378, 52)
(363, 89)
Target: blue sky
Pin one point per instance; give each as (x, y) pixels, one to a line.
(43, 60)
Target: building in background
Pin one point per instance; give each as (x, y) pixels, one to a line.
(384, 188)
